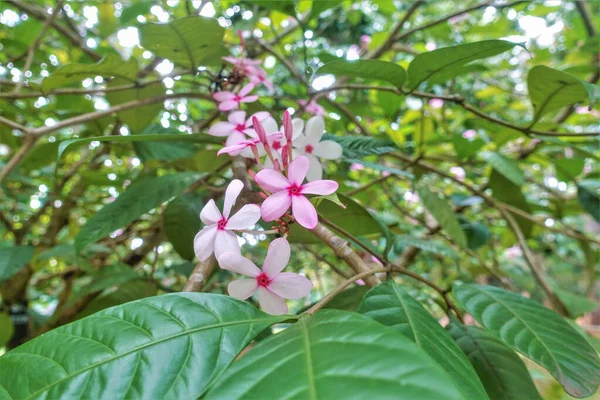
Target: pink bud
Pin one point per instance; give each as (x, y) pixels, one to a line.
(260, 131)
(277, 165)
(287, 126)
(284, 156)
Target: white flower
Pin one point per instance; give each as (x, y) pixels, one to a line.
(310, 145)
(217, 235)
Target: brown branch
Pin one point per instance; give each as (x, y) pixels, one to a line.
(28, 143)
(200, 275)
(12, 124)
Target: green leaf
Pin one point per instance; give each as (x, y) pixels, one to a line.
(506, 166)
(391, 306)
(509, 193)
(137, 118)
(502, 372)
(189, 42)
(285, 6)
(593, 92)
(111, 66)
(551, 90)
(577, 305)
(453, 72)
(335, 355)
(428, 65)
(39, 157)
(195, 138)
(182, 222)
(366, 69)
(321, 5)
(362, 146)
(426, 245)
(354, 219)
(589, 200)
(7, 329)
(120, 353)
(125, 293)
(466, 148)
(443, 214)
(477, 234)
(536, 332)
(12, 259)
(163, 151)
(137, 200)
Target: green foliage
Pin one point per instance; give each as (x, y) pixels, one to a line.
(12, 259)
(389, 305)
(443, 213)
(501, 371)
(366, 358)
(7, 329)
(537, 333)
(367, 69)
(182, 221)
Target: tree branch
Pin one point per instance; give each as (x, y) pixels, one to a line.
(200, 275)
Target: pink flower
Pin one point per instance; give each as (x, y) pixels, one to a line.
(436, 103)
(257, 76)
(229, 100)
(469, 134)
(272, 285)
(311, 146)
(242, 62)
(291, 192)
(240, 147)
(237, 126)
(312, 107)
(217, 235)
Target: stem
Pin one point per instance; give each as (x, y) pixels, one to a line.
(200, 275)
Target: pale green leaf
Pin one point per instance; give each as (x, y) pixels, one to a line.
(366, 69)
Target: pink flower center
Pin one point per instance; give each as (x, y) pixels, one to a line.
(237, 98)
(222, 224)
(295, 190)
(309, 149)
(263, 280)
(240, 128)
(276, 145)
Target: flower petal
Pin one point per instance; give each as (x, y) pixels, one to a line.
(242, 288)
(315, 127)
(237, 117)
(323, 187)
(271, 180)
(304, 212)
(300, 143)
(244, 218)
(260, 115)
(235, 138)
(246, 89)
(223, 96)
(221, 129)
(275, 206)
(236, 263)
(204, 242)
(226, 242)
(328, 149)
(290, 286)
(315, 170)
(298, 169)
(231, 194)
(270, 125)
(210, 213)
(298, 127)
(249, 99)
(277, 258)
(271, 302)
(228, 105)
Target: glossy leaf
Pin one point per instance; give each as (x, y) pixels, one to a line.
(506, 166)
(130, 291)
(367, 69)
(502, 372)
(137, 200)
(138, 118)
(12, 259)
(111, 66)
(354, 219)
(427, 65)
(314, 359)
(443, 214)
(536, 332)
(389, 305)
(182, 222)
(551, 90)
(189, 42)
(119, 353)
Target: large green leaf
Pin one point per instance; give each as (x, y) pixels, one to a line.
(137, 200)
(507, 192)
(503, 373)
(428, 65)
(7, 329)
(354, 219)
(335, 355)
(111, 66)
(182, 222)
(551, 90)
(536, 332)
(426, 245)
(367, 69)
(506, 166)
(184, 137)
(138, 118)
(188, 42)
(122, 352)
(443, 214)
(12, 259)
(389, 305)
(130, 291)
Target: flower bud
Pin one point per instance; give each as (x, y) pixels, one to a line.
(260, 131)
(288, 129)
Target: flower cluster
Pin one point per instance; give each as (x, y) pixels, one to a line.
(285, 155)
